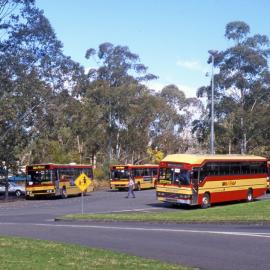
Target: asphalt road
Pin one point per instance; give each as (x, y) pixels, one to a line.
(200, 245)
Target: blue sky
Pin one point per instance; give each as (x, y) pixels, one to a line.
(171, 37)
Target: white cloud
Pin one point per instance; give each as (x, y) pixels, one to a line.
(154, 85)
(190, 64)
(87, 69)
(189, 90)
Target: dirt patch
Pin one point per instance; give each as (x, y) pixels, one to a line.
(101, 184)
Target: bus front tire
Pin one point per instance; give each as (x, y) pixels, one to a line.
(63, 193)
(249, 195)
(18, 193)
(205, 201)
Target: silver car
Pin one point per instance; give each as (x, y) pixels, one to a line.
(13, 189)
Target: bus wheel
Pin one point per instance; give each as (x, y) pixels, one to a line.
(63, 193)
(18, 193)
(205, 201)
(249, 195)
(138, 187)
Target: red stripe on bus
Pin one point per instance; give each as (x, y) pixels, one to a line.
(236, 195)
(231, 177)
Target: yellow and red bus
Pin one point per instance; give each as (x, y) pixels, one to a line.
(55, 179)
(145, 176)
(205, 179)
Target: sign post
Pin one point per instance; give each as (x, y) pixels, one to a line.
(82, 182)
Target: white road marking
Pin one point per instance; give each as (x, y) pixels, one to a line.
(249, 234)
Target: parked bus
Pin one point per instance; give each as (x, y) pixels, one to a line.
(55, 179)
(145, 176)
(205, 179)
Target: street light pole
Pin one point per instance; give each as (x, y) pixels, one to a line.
(212, 136)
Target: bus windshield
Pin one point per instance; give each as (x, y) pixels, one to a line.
(174, 176)
(119, 174)
(39, 176)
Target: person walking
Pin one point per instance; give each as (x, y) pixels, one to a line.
(131, 184)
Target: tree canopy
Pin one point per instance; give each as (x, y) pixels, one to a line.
(242, 86)
(53, 110)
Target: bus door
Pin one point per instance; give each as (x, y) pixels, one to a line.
(56, 179)
(195, 185)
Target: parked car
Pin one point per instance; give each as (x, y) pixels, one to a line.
(19, 180)
(13, 189)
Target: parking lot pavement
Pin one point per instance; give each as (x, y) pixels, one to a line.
(95, 202)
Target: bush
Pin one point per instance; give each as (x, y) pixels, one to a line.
(101, 174)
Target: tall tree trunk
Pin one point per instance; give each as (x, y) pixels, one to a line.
(242, 137)
(118, 147)
(80, 148)
(94, 160)
(110, 135)
(245, 143)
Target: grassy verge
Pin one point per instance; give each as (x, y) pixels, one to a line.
(20, 253)
(240, 212)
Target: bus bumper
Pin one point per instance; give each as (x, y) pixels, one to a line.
(33, 193)
(175, 201)
(118, 185)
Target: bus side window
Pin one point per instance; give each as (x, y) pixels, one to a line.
(203, 174)
(224, 168)
(235, 168)
(245, 167)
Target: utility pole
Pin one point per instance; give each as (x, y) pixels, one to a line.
(212, 135)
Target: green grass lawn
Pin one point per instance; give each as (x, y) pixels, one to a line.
(258, 211)
(20, 253)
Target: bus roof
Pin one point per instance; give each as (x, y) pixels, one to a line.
(54, 165)
(199, 159)
(134, 166)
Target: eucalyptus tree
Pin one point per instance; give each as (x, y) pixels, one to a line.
(33, 72)
(114, 85)
(141, 112)
(242, 86)
(171, 130)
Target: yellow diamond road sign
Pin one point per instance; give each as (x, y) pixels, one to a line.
(82, 181)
